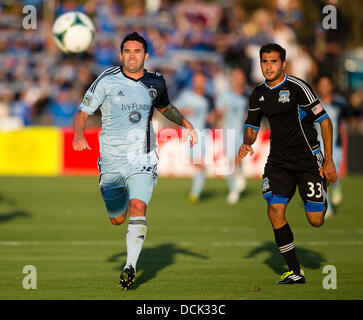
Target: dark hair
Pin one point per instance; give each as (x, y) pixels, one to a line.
(134, 36)
(273, 47)
(321, 76)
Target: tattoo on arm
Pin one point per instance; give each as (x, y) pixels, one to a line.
(173, 114)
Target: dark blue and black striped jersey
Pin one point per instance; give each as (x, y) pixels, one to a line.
(291, 108)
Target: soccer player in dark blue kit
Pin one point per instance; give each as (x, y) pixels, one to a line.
(295, 158)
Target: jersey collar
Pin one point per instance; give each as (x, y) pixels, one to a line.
(278, 85)
(136, 80)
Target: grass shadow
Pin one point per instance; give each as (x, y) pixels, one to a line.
(308, 258)
(6, 217)
(153, 260)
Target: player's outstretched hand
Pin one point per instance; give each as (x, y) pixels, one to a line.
(193, 136)
(328, 170)
(80, 144)
(244, 150)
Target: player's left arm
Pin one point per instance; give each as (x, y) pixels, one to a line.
(328, 169)
(171, 113)
(309, 102)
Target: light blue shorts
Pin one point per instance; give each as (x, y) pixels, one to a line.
(197, 153)
(116, 191)
(232, 141)
(337, 157)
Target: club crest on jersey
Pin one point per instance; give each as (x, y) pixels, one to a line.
(135, 116)
(265, 185)
(284, 96)
(153, 93)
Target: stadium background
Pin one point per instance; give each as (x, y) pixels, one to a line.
(40, 89)
(40, 86)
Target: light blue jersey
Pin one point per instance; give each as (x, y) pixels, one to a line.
(235, 107)
(200, 105)
(127, 140)
(337, 111)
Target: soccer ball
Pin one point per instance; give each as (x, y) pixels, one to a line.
(73, 32)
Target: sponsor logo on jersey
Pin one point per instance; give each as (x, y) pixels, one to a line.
(134, 107)
(284, 96)
(261, 99)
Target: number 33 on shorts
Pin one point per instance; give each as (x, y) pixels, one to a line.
(315, 190)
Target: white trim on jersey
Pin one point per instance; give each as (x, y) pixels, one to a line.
(302, 130)
(109, 71)
(304, 87)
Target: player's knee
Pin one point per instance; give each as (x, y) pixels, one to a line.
(137, 207)
(316, 219)
(276, 210)
(118, 220)
(276, 214)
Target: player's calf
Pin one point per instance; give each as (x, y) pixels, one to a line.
(315, 212)
(316, 219)
(118, 220)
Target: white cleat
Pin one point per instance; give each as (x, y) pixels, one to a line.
(240, 183)
(233, 197)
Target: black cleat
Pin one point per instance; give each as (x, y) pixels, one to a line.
(291, 278)
(127, 277)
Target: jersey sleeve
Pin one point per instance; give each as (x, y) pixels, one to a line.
(93, 98)
(254, 113)
(308, 101)
(162, 99)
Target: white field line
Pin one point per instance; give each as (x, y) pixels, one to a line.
(81, 243)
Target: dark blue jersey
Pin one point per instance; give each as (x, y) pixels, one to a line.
(291, 108)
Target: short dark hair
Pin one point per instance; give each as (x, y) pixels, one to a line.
(321, 76)
(273, 47)
(134, 36)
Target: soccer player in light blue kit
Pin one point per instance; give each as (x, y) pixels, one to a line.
(336, 107)
(195, 105)
(127, 96)
(231, 108)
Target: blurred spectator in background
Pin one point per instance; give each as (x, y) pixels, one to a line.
(63, 107)
(231, 110)
(337, 109)
(181, 35)
(195, 106)
(356, 110)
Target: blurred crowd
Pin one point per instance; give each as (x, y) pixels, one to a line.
(41, 86)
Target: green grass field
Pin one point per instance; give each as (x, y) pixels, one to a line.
(206, 251)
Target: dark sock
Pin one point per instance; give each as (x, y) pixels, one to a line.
(285, 241)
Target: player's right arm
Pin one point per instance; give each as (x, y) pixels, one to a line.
(252, 126)
(79, 141)
(249, 139)
(93, 98)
